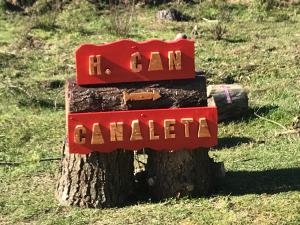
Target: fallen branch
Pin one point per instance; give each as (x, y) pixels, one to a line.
(210, 21)
(271, 121)
(297, 131)
(10, 163)
(55, 101)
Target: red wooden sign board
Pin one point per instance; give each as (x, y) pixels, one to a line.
(158, 129)
(129, 61)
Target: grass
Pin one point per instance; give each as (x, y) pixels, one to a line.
(262, 185)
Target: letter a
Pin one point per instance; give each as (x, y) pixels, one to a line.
(203, 130)
(155, 62)
(97, 137)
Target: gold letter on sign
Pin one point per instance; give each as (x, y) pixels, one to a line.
(135, 131)
(186, 122)
(174, 60)
(116, 131)
(155, 62)
(97, 137)
(135, 63)
(151, 131)
(79, 133)
(95, 65)
(169, 128)
(203, 130)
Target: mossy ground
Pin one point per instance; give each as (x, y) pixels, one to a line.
(262, 52)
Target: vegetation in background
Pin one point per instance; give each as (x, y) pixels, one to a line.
(262, 185)
(120, 17)
(218, 30)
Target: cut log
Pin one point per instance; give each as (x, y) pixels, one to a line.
(96, 180)
(105, 179)
(231, 100)
(174, 94)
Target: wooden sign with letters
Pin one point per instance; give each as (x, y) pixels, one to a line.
(111, 108)
(129, 61)
(159, 129)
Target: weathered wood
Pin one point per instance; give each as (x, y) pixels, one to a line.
(176, 93)
(231, 100)
(180, 173)
(140, 96)
(95, 180)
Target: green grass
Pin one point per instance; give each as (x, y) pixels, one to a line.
(262, 185)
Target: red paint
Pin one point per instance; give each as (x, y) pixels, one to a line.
(116, 57)
(158, 115)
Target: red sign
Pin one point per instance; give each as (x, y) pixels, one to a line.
(129, 61)
(159, 129)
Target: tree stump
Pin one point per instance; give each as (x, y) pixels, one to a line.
(180, 173)
(105, 179)
(95, 180)
(231, 100)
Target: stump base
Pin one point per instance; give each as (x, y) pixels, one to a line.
(181, 173)
(96, 180)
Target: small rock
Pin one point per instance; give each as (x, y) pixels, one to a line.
(171, 14)
(195, 31)
(296, 122)
(180, 36)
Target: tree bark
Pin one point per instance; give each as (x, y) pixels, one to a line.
(180, 173)
(231, 100)
(96, 180)
(174, 94)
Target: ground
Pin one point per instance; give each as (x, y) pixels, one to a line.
(260, 49)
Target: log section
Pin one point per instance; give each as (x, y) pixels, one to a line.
(231, 100)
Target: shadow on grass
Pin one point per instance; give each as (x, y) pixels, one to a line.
(229, 142)
(235, 40)
(259, 182)
(46, 26)
(250, 115)
(42, 103)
